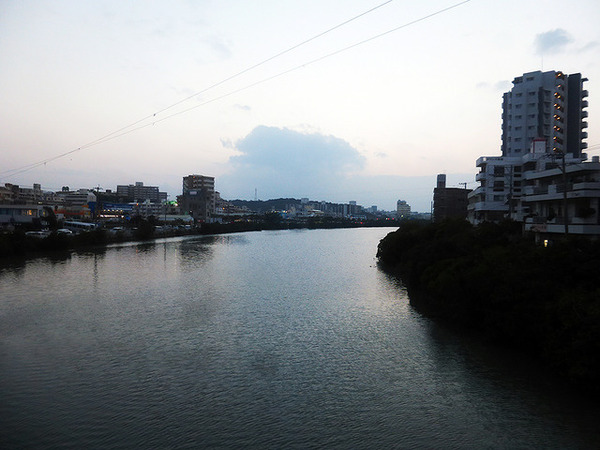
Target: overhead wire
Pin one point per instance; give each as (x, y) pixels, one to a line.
(124, 130)
(121, 131)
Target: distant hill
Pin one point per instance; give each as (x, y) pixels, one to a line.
(264, 206)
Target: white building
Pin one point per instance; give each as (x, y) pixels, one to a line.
(542, 118)
(550, 205)
(545, 105)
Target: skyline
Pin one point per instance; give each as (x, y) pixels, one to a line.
(375, 123)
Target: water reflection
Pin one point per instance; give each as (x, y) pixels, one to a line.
(526, 393)
(195, 252)
(264, 340)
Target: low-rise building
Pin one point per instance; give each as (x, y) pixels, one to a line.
(563, 199)
(449, 203)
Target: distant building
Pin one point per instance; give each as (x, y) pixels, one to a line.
(402, 209)
(15, 194)
(449, 202)
(36, 215)
(139, 193)
(198, 197)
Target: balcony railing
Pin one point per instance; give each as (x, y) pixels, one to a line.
(485, 159)
(593, 185)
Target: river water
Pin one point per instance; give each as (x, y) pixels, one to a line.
(283, 339)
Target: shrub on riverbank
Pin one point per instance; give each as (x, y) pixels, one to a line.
(493, 280)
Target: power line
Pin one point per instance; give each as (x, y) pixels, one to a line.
(121, 131)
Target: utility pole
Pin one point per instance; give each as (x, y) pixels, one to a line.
(565, 201)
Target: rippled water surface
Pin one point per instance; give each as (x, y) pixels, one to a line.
(286, 339)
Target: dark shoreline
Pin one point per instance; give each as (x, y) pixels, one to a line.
(495, 284)
(16, 246)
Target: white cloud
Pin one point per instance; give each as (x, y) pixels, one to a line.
(552, 41)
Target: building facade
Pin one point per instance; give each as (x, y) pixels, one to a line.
(402, 209)
(198, 197)
(542, 120)
(139, 193)
(449, 203)
(563, 199)
(544, 105)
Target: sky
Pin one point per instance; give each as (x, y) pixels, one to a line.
(153, 91)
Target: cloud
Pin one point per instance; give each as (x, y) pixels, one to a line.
(226, 143)
(499, 86)
(551, 41)
(592, 45)
(280, 162)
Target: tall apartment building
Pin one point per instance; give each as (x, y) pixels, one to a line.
(542, 120)
(198, 197)
(544, 105)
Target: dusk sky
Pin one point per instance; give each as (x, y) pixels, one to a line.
(373, 123)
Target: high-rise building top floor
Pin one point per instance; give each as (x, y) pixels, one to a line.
(545, 105)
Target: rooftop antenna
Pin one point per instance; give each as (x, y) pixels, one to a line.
(464, 185)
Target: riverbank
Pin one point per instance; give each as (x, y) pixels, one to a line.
(18, 244)
(492, 281)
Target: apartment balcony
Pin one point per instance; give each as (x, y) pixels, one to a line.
(480, 176)
(488, 206)
(586, 185)
(477, 191)
(584, 145)
(584, 93)
(483, 160)
(584, 135)
(584, 124)
(555, 228)
(534, 190)
(584, 103)
(584, 114)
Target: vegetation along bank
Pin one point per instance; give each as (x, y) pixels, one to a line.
(492, 280)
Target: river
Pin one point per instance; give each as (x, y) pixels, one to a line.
(282, 339)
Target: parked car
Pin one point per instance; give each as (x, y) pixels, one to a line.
(37, 234)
